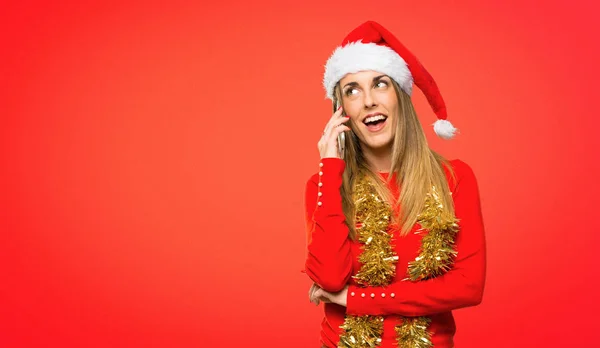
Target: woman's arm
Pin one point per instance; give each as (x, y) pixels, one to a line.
(462, 286)
(329, 260)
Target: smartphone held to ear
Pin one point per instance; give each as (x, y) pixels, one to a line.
(341, 139)
(341, 143)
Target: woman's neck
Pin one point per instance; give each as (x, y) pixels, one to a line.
(380, 160)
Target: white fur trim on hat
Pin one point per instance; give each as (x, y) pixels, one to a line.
(444, 129)
(358, 56)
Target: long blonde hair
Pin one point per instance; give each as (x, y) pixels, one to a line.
(417, 167)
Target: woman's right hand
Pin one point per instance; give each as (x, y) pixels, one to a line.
(311, 294)
(328, 144)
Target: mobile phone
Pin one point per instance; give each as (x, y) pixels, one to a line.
(341, 139)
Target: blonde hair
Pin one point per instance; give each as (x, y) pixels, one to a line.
(417, 167)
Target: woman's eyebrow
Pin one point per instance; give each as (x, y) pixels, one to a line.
(353, 83)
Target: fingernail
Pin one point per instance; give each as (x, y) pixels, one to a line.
(347, 116)
(339, 107)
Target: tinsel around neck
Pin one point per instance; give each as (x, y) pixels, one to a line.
(373, 215)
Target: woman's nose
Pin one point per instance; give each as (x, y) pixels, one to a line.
(369, 101)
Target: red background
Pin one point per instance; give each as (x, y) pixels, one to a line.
(153, 160)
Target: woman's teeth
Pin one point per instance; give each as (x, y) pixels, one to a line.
(374, 119)
(375, 123)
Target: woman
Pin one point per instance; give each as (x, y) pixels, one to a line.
(395, 233)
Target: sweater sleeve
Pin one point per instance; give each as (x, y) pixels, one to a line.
(329, 259)
(462, 286)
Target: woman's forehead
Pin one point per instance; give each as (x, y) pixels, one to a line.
(361, 76)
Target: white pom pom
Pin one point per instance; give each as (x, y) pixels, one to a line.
(444, 129)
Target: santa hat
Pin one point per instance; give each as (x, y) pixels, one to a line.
(372, 47)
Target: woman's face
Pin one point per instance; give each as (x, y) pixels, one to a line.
(370, 100)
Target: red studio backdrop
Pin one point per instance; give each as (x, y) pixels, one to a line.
(153, 157)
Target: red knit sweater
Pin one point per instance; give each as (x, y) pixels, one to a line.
(332, 260)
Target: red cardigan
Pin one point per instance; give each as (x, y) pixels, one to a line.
(332, 260)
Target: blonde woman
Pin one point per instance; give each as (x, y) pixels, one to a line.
(395, 233)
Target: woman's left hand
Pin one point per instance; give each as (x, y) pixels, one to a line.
(339, 297)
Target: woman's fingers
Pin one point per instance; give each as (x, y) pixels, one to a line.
(331, 146)
(336, 116)
(328, 142)
(320, 293)
(311, 293)
(317, 295)
(323, 295)
(335, 129)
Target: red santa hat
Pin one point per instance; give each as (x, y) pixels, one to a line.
(372, 47)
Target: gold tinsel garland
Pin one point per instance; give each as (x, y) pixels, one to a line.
(378, 263)
(378, 260)
(413, 333)
(437, 246)
(361, 331)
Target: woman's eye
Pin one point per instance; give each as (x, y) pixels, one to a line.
(382, 83)
(350, 91)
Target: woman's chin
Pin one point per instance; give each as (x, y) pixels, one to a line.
(379, 143)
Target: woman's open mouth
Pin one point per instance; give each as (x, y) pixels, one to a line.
(375, 123)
